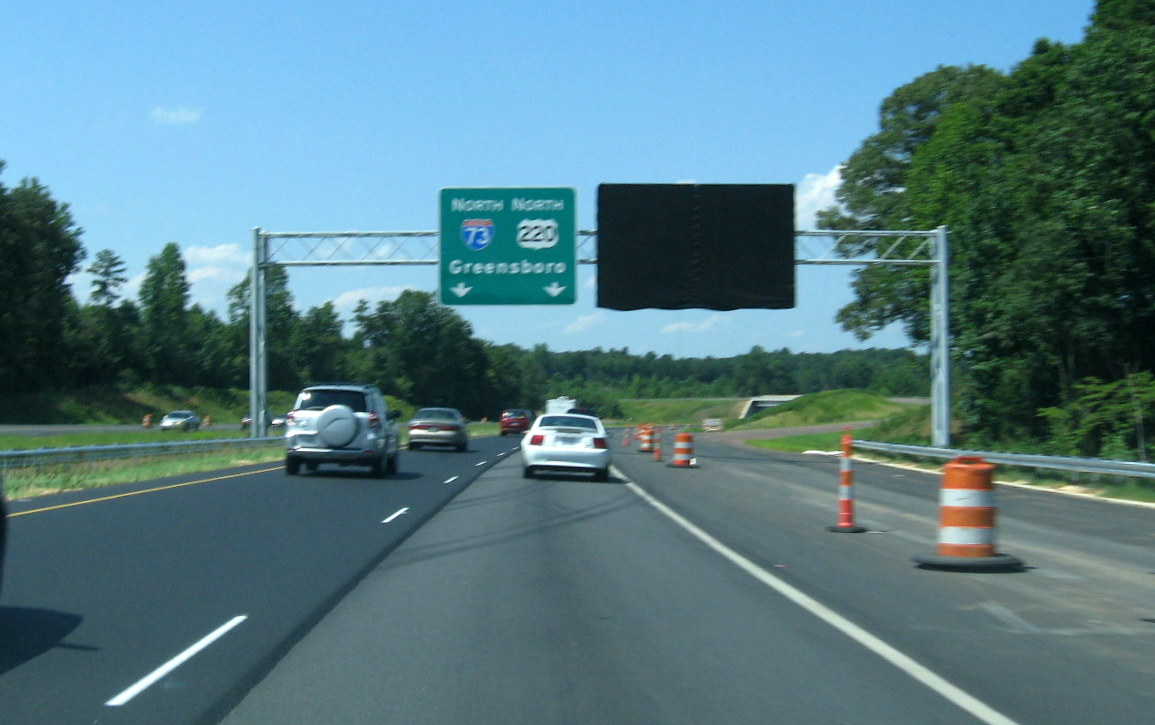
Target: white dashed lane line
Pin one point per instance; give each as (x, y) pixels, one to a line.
(395, 514)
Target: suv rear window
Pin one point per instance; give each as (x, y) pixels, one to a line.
(321, 399)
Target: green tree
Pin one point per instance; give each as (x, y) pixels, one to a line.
(1123, 15)
(109, 325)
(874, 195)
(319, 351)
(281, 321)
(40, 246)
(427, 351)
(109, 275)
(164, 296)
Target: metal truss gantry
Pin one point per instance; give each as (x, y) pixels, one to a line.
(816, 247)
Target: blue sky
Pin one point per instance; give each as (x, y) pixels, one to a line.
(196, 122)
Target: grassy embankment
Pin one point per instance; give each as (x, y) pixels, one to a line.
(828, 408)
(107, 407)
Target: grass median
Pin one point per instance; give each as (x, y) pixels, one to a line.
(30, 481)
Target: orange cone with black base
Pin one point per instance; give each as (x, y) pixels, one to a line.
(846, 523)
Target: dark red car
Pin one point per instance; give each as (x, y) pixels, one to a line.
(515, 421)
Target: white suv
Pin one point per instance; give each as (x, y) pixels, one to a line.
(342, 423)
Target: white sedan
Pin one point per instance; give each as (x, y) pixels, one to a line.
(566, 442)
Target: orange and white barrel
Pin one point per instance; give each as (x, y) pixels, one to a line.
(967, 509)
(967, 514)
(683, 450)
(645, 438)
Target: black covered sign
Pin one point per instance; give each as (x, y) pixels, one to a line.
(686, 246)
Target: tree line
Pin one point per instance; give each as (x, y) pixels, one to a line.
(1045, 176)
(412, 347)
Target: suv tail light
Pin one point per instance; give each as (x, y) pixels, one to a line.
(374, 420)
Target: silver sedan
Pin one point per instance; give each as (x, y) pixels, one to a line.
(567, 443)
(184, 420)
(438, 427)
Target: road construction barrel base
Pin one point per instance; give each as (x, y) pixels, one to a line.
(691, 464)
(998, 562)
(846, 529)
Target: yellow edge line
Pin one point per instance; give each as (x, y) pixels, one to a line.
(138, 493)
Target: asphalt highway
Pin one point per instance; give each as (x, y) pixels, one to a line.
(105, 589)
(460, 592)
(717, 594)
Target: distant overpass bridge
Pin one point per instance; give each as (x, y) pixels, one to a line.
(762, 402)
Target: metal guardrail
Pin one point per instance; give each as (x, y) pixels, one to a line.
(82, 454)
(1098, 466)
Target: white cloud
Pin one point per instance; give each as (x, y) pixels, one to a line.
(346, 302)
(231, 254)
(212, 272)
(179, 115)
(816, 192)
(710, 323)
(585, 322)
(222, 262)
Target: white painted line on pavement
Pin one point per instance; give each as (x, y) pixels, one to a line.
(451, 479)
(951, 692)
(175, 662)
(395, 514)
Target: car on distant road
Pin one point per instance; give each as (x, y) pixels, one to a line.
(569, 442)
(182, 420)
(439, 427)
(349, 424)
(515, 421)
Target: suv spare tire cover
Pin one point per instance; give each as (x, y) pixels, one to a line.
(337, 426)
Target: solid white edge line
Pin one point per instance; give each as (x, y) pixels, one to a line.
(955, 694)
(175, 662)
(395, 514)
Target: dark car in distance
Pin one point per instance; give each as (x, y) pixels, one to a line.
(515, 421)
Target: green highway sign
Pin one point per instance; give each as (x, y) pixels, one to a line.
(508, 246)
